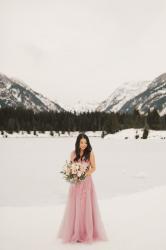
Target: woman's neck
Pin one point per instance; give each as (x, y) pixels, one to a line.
(81, 152)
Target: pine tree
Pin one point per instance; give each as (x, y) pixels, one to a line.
(146, 129)
(154, 119)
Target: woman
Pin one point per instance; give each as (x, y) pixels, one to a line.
(82, 220)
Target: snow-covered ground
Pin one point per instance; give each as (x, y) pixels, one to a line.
(130, 181)
(123, 134)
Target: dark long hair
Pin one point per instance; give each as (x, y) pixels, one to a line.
(88, 149)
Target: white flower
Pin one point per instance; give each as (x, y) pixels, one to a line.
(79, 173)
(76, 168)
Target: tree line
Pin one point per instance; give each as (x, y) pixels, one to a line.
(17, 119)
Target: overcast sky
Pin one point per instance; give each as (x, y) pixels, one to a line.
(70, 50)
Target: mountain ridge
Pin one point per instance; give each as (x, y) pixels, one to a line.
(14, 93)
(149, 95)
(142, 95)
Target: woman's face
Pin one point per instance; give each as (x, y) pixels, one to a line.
(83, 143)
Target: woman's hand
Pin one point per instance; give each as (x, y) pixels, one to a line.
(87, 173)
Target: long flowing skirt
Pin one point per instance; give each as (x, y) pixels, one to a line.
(82, 220)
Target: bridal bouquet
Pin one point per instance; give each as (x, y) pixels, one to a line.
(74, 172)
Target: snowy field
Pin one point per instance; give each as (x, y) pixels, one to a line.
(123, 134)
(130, 181)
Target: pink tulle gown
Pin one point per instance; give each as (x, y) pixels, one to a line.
(82, 221)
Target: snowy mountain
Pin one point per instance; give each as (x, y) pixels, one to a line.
(141, 95)
(14, 93)
(153, 97)
(81, 106)
(122, 95)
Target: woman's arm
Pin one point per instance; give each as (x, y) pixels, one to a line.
(72, 156)
(92, 164)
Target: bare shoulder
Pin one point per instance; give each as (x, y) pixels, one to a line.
(72, 155)
(73, 152)
(92, 156)
(92, 153)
